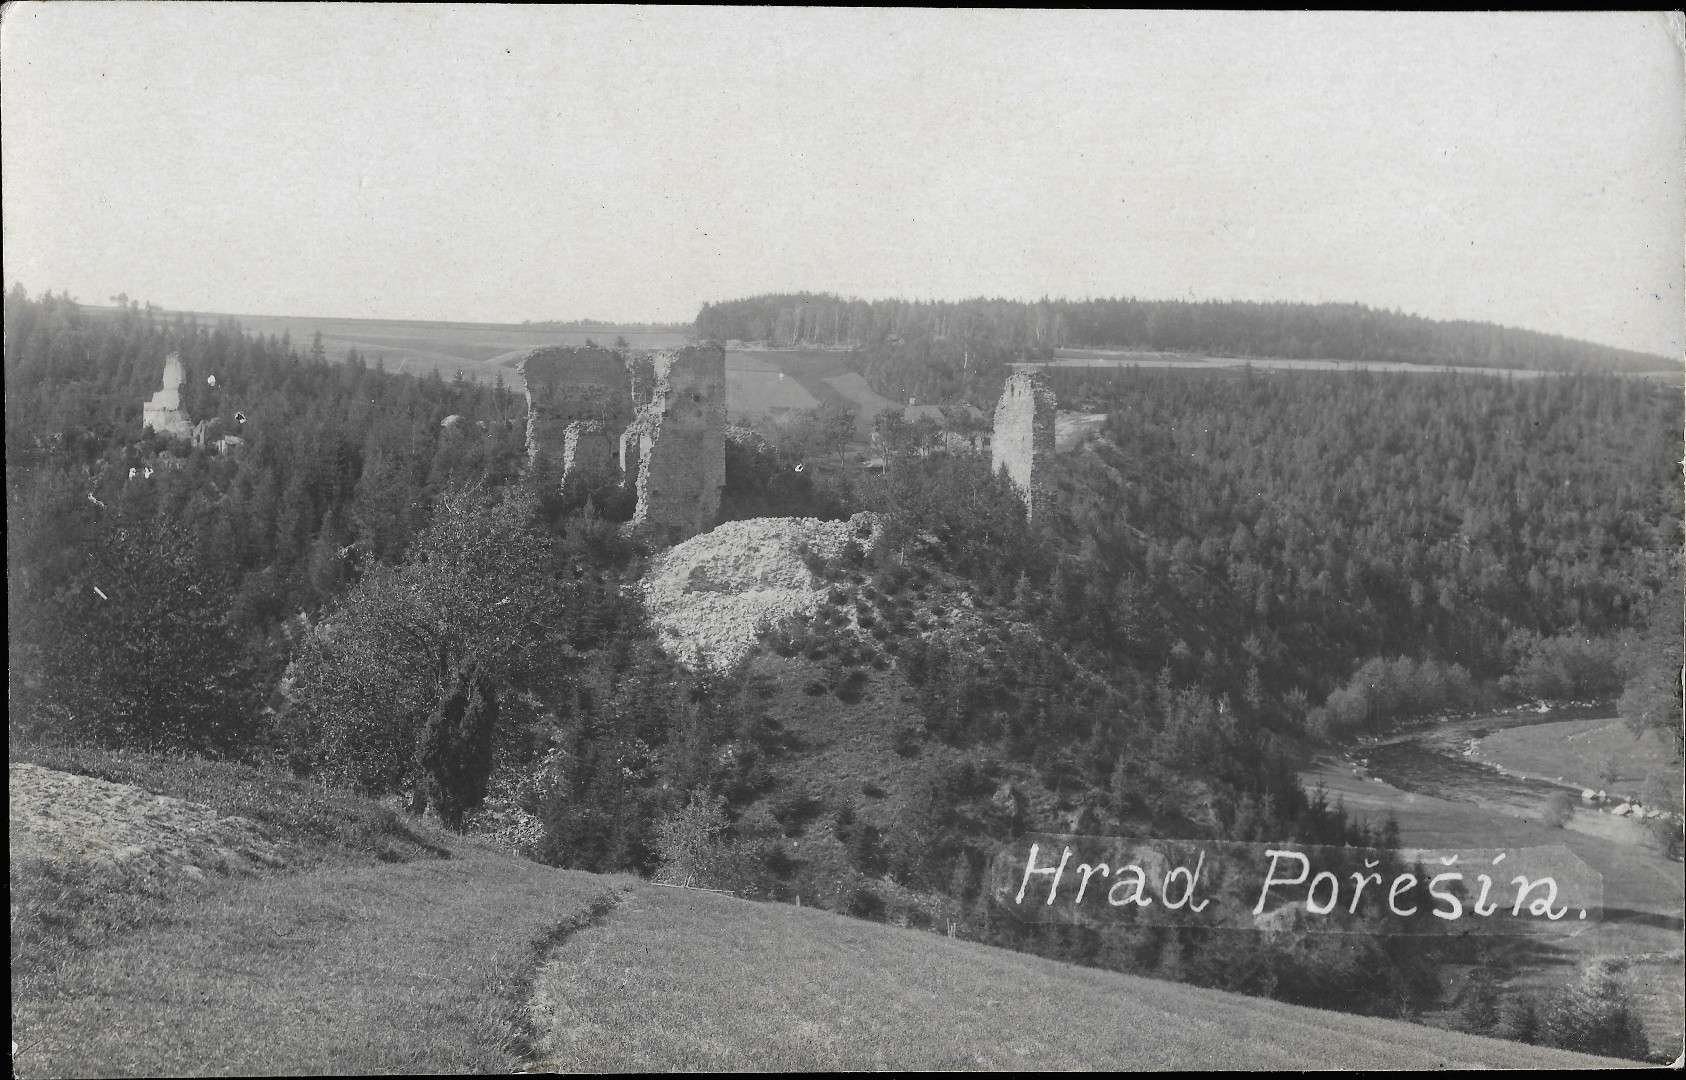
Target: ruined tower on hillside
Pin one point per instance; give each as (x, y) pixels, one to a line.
(681, 436)
(658, 422)
(163, 412)
(578, 401)
(1023, 440)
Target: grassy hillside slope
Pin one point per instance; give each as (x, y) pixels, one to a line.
(407, 968)
(383, 946)
(388, 947)
(678, 980)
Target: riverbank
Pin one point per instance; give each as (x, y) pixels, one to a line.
(1442, 797)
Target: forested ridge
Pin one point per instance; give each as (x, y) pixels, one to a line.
(952, 350)
(1321, 520)
(1238, 568)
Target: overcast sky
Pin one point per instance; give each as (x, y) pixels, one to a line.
(501, 164)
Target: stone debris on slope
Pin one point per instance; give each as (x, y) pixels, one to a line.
(712, 596)
(59, 815)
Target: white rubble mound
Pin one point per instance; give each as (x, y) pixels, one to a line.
(59, 815)
(712, 596)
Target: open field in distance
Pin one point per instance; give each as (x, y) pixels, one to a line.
(481, 351)
(1116, 358)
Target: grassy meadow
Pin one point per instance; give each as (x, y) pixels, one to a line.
(385, 946)
(762, 385)
(683, 980)
(1586, 753)
(388, 946)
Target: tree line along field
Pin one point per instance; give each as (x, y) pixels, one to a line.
(1226, 557)
(762, 386)
(482, 352)
(938, 351)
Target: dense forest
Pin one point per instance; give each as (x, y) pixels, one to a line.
(1239, 566)
(1294, 526)
(134, 561)
(955, 350)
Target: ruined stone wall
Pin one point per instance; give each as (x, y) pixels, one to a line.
(588, 448)
(1022, 443)
(682, 443)
(163, 412)
(659, 421)
(573, 385)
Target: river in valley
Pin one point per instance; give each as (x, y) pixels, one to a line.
(1444, 798)
(1431, 761)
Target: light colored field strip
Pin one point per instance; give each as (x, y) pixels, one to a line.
(757, 393)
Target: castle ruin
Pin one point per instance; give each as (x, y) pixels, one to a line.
(1023, 440)
(659, 422)
(163, 412)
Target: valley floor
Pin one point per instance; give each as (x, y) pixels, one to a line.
(1469, 806)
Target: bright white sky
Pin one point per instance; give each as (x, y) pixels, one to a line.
(500, 164)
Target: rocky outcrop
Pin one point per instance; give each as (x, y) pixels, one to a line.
(1022, 443)
(163, 412)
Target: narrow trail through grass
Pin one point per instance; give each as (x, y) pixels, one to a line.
(686, 980)
(419, 967)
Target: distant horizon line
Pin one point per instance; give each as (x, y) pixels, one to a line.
(605, 324)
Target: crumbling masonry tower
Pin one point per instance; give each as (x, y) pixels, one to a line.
(1023, 440)
(659, 422)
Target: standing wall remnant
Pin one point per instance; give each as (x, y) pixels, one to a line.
(163, 412)
(588, 448)
(568, 386)
(1023, 441)
(681, 435)
(658, 421)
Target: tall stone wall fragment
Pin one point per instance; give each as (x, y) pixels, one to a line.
(681, 438)
(1023, 440)
(163, 412)
(588, 447)
(567, 386)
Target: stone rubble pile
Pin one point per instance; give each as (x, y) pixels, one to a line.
(712, 596)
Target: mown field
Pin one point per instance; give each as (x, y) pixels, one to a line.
(1663, 371)
(388, 946)
(1586, 753)
(384, 946)
(759, 390)
(693, 981)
